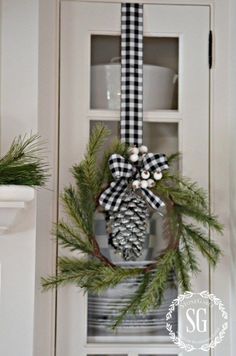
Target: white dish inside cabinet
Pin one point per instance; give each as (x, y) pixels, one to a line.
(160, 73)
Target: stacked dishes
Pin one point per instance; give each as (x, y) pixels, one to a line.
(104, 309)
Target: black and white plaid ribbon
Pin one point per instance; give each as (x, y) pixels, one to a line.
(152, 162)
(123, 172)
(131, 125)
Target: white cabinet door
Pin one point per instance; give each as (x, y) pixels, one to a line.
(175, 37)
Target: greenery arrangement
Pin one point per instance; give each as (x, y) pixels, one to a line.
(187, 222)
(23, 164)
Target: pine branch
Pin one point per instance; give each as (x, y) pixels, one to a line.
(182, 191)
(118, 148)
(71, 238)
(97, 139)
(85, 175)
(110, 278)
(189, 253)
(192, 189)
(173, 157)
(201, 216)
(85, 195)
(182, 271)
(175, 222)
(87, 172)
(58, 280)
(207, 247)
(151, 290)
(153, 294)
(134, 304)
(81, 217)
(24, 164)
(96, 279)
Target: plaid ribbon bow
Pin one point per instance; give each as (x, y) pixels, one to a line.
(123, 173)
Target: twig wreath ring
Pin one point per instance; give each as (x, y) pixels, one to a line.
(95, 272)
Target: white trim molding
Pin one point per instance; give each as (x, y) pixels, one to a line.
(48, 82)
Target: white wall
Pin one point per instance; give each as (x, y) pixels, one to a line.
(232, 154)
(18, 110)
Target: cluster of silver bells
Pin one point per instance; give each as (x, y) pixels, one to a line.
(128, 226)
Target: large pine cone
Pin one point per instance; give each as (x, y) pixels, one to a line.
(128, 226)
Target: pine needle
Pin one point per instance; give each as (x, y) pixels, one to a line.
(153, 294)
(190, 257)
(201, 216)
(81, 214)
(207, 247)
(134, 304)
(97, 278)
(87, 173)
(24, 164)
(71, 238)
(118, 148)
(182, 271)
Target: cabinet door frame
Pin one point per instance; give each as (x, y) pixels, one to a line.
(219, 121)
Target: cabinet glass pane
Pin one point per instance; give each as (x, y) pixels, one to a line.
(159, 137)
(160, 73)
(103, 309)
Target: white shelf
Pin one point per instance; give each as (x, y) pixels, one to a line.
(118, 340)
(149, 116)
(13, 198)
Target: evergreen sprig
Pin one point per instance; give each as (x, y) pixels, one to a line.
(207, 247)
(72, 238)
(187, 221)
(118, 148)
(91, 275)
(191, 262)
(87, 174)
(79, 205)
(24, 163)
(153, 294)
(135, 302)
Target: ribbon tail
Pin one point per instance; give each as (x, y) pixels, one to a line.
(154, 201)
(111, 198)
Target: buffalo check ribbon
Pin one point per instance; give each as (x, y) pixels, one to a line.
(131, 125)
(131, 114)
(123, 173)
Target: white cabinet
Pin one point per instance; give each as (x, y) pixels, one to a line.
(176, 116)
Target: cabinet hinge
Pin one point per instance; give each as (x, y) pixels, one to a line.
(210, 49)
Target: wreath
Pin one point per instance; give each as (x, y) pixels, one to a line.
(186, 217)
